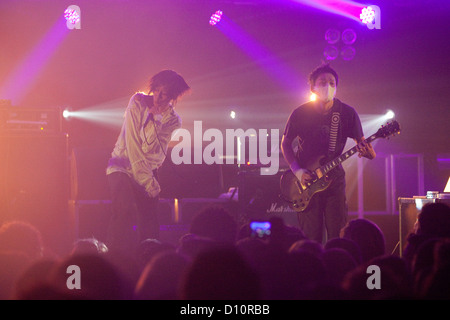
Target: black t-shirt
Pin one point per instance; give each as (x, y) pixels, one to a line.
(313, 130)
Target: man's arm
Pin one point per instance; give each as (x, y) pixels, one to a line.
(288, 153)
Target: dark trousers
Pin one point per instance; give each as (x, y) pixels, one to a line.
(326, 214)
(134, 214)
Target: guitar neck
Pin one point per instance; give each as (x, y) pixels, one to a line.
(337, 161)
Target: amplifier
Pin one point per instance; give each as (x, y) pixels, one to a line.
(259, 198)
(19, 119)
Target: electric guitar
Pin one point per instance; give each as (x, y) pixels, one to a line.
(298, 196)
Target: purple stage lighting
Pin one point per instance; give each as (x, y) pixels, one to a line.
(72, 15)
(260, 54)
(346, 8)
(348, 53)
(332, 36)
(331, 52)
(215, 17)
(348, 36)
(367, 15)
(27, 71)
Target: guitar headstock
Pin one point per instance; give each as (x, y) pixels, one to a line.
(389, 129)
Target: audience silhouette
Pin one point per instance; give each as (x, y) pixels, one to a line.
(20, 245)
(346, 244)
(367, 235)
(161, 277)
(433, 222)
(338, 263)
(215, 223)
(430, 269)
(221, 260)
(21, 236)
(220, 273)
(12, 264)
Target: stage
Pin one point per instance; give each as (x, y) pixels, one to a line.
(70, 74)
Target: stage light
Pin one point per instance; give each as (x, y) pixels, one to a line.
(332, 36)
(331, 52)
(66, 114)
(348, 53)
(371, 16)
(233, 115)
(367, 15)
(312, 97)
(390, 114)
(109, 113)
(215, 17)
(73, 16)
(348, 36)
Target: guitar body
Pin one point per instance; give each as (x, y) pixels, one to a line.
(297, 195)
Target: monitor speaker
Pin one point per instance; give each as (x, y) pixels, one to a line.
(259, 198)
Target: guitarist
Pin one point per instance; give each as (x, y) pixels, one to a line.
(322, 128)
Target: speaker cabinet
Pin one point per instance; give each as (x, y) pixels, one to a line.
(259, 198)
(34, 184)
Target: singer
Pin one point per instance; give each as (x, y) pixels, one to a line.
(140, 150)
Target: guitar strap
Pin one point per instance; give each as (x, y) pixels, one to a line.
(334, 129)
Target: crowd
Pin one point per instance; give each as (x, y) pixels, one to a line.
(220, 260)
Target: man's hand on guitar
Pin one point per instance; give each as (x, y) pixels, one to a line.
(304, 176)
(365, 150)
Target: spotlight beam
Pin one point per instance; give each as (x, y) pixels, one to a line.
(22, 79)
(260, 54)
(346, 8)
(109, 113)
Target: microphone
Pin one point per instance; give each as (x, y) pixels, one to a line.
(150, 117)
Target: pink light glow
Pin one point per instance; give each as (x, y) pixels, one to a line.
(346, 8)
(367, 15)
(26, 73)
(215, 18)
(71, 15)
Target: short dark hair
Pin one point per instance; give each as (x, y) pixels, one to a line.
(175, 83)
(434, 219)
(324, 68)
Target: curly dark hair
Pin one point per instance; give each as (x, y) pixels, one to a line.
(176, 84)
